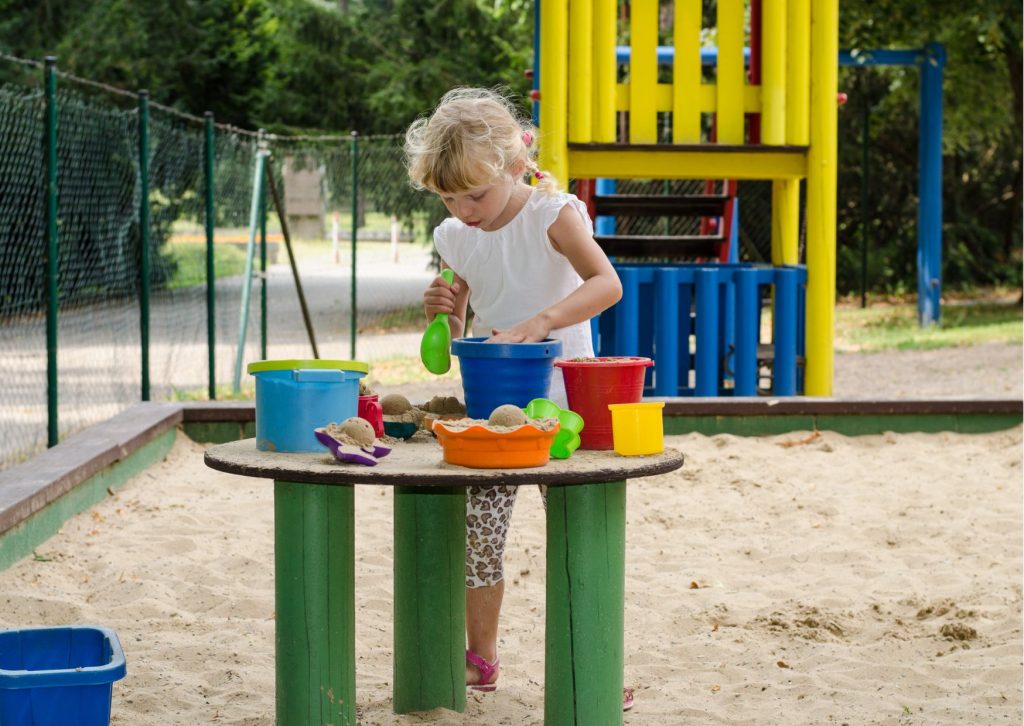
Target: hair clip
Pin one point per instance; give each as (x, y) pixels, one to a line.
(538, 175)
(527, 138)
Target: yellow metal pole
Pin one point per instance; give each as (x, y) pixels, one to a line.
(554, 60)
(643, 71)
(605, 70)
(785, 221)
(730, 71)
(798, 71)
(773, 72)
(686, 73)
(581, 62)
(821, 199)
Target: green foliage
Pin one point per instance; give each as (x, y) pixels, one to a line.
(188, 261)
(981, 139)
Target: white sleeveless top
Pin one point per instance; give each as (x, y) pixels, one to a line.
(514, 273)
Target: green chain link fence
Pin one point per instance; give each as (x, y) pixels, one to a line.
(110, 327)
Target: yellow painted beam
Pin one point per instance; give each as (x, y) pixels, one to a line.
(668, 162)
(730, 81)
(581, 71)
(706, 99)
(821, 199)
(686, 73)
(643, 71)
(785, 221)
(605, 70)
(554, 96)
(798, 71)
(773, 71)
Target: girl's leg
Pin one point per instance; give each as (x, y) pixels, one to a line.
(488, 513)
(483, 608)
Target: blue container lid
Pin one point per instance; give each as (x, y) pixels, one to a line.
(261, 366)
(478, 348)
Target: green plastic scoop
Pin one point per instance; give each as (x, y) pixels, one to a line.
(435, 348)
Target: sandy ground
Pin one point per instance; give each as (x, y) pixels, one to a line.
(801, 578)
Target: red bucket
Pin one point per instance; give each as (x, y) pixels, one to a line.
(369, 409)
(592, 383)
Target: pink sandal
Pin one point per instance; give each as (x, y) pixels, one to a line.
(488, 672)
(628, 701)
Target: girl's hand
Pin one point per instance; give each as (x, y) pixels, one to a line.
(533, 330)
(440, 297)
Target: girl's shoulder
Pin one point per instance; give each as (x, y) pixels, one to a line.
(547, 206)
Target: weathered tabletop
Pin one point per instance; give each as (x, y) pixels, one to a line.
(418, 463)
(314, 535)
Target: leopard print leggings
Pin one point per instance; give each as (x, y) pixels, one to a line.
(488, 514)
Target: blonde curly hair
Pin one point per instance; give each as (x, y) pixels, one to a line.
(473, 136)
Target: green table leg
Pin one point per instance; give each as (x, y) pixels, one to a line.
(583, 654)
(430, 599)
(314, 569)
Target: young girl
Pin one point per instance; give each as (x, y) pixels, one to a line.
(525, 257)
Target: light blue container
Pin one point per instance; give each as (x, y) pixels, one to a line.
(58, 676)
(293, 397)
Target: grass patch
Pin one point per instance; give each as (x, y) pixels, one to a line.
(405, 369)
(189, 259)
(224, 392)
(401, 320)
(895, 327)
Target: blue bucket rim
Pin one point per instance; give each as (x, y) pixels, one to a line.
(113, 670)
(478, 348)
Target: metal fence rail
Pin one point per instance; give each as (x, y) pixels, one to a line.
(124, 233)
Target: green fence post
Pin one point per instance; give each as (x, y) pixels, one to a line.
(52, 269)
(211, 280)
(263, 268)
(355, 231)
(144, 237)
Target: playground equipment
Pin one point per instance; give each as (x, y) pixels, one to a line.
(580, 97)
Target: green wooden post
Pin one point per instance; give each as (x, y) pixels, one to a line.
(583, 653)
(430, 599)
(144, 238)
(211, 278)
(314, 534)
(52, 261)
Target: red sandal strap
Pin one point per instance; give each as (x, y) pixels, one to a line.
(486, 669)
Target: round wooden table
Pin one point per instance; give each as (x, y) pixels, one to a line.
(314, 565)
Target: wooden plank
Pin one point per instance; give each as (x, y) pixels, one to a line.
(643, 71)
(676, 247)
(655, 205)
(429, 668)
(731, 76)
(686, 73)
(665, 161)
(27, 488)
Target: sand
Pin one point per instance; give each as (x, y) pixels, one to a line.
(794, 579)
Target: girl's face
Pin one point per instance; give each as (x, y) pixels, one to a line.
(483, 206)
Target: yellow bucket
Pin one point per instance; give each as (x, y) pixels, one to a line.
(637, 428)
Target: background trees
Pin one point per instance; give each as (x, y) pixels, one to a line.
(374, 65)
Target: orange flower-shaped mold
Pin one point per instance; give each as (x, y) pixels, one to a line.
(479, 447)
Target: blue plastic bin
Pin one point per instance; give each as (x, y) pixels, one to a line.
(58, 676)
(494, 374)
(293, 397)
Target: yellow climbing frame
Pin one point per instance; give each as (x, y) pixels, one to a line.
(581, 101)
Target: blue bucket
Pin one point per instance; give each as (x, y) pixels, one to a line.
(58, 676)
(494, 374)
(293, 397)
